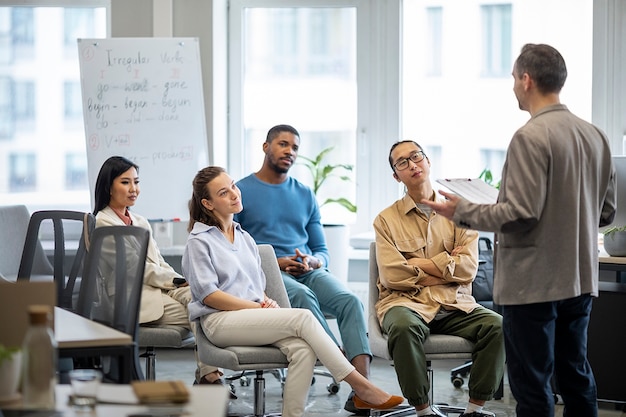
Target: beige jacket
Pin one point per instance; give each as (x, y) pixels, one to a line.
(158, 274)
(403, 232)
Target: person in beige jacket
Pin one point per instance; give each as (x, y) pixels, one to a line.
(426, 266)
(165, 293)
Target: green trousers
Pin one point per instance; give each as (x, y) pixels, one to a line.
(407, 332)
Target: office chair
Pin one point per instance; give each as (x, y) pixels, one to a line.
(111, 291)
(13, 227)
(437, 346)
(162, 336)
(65, 280)
(482, 290)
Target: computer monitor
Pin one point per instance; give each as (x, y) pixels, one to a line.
(619, 161)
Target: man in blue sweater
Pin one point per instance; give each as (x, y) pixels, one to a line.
(282, 212)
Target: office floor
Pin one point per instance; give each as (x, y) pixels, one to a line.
(180, 364)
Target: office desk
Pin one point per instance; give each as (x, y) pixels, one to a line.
(74, 331)
(615, 264)
(78, 337)
(607, 340)
(205, 400)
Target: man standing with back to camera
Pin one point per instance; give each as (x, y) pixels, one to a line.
(281, 211)
(558, 186)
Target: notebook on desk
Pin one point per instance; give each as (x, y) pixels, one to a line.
(15, 298)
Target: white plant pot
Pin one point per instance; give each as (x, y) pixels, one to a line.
(338, 243)
(10, 378)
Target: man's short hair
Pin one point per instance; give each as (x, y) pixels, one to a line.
(544, 64)
(278, 129)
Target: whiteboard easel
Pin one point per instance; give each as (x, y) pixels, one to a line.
(143, 99)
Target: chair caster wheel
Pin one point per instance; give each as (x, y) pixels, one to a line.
(457, 381)
(244, 381)
(333, 388)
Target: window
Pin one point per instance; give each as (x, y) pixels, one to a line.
(23, 26)
(299, 68)
(436, 72)
(42, 138)
(470, 111)
(75, 171)
(78, 23)
(434, 44)
(496, 40)
(24, 100)
(7, 121)
(23, 32)
(22, 172)
(73, 104)
(6, 49)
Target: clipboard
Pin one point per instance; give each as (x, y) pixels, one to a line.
(474, 190)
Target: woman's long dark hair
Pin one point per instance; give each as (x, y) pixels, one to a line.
(109, 171)
(197, 212)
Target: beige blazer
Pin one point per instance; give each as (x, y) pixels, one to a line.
(158, 274)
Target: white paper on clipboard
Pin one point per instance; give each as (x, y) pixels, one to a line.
(472, 189)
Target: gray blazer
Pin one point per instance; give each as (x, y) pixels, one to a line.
(557, 188)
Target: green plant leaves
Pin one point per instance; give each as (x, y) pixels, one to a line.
(321, 172)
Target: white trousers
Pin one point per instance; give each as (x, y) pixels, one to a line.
(296, 332)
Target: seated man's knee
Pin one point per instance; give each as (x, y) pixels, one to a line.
(302, 297)
(405, 326)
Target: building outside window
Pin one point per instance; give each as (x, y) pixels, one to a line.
(72, 102)
(434, 43)
(75, 171)
(496, 40)
(22, 172)
(42, 138)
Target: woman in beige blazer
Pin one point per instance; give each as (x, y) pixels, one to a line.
(165, 293)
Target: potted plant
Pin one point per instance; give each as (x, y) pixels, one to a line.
(322, 172)
(615, 240)
(10, 367)
(487, 176)
(337, 235)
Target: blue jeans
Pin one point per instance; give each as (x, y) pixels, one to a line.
(549, 338)
(321, 292)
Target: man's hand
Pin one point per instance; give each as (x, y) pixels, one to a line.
(457, 250)
(298, 264)
(446, 208)
(309, 260)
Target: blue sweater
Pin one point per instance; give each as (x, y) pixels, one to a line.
(284, 215)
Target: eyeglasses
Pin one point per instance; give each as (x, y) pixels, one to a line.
(403, 163)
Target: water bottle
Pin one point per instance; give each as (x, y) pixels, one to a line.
(39, 353)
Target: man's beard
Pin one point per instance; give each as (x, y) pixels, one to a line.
(278, 169)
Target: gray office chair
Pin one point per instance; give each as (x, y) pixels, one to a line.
(13, 227)
(67, 260)
(252, 358)
(110, 291)
(161, 336)
(437, 346)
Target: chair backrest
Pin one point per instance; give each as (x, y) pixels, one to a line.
(378, 343)
(110, 291)
(13, 226)
(61, 221)
(275, 287)
(436, 346)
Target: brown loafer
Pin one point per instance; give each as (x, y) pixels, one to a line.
(393, 401)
